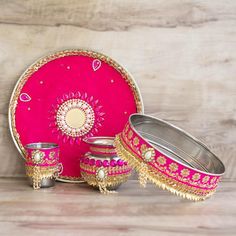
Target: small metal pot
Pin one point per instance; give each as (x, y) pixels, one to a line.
(101, 167)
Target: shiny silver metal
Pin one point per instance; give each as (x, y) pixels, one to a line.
(100, 141)
(177, 144)
(41, 145)
(45, 182)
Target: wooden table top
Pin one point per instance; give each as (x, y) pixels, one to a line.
(77, 209)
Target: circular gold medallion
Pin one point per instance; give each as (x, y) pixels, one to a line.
(75, 117)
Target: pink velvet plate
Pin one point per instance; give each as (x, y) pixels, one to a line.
(69, 96)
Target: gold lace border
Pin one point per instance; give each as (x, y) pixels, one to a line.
(44, 172)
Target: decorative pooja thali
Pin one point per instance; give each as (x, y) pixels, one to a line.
(77, 115)
(68, 96)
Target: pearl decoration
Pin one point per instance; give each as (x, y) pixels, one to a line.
(148, 154)
(71, 126)
(101, 174)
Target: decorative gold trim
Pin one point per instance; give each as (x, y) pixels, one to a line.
(148, 154)
(39, 63)
(109, 181)
(37, 154)
(104, 150)
(158, 178)
(37, 173)
(66, 107)
(160, 165)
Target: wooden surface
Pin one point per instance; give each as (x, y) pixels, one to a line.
(182, 53)
(70, 209)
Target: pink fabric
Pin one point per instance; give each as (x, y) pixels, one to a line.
(72, 76)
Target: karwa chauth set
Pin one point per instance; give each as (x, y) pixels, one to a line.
(77, 115)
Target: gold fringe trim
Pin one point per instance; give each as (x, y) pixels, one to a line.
(159, 179)
(103, 188)
(38, 173)
(143, 174)
(110, 181)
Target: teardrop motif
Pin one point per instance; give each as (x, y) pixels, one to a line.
(24, 97)
(96, 64)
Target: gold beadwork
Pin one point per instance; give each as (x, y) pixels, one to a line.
(165, 169)
(52, 155)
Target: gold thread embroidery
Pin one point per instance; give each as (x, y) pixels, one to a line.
(136, 141)
(205, 179)
(161, 160)
(160, 179)
(185, 172)
(143, 147)
(130, 134)
(173, 167)
(196, 177)
(176, 175)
